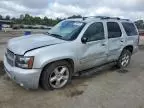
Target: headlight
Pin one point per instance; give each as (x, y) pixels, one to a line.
(24, 62)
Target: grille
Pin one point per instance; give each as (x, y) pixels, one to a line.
(10, 57)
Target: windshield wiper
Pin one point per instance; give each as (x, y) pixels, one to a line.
(56, 35)
(46, 33)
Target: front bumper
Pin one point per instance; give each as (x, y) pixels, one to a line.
(28, 78)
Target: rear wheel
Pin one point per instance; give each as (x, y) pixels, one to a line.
(124, 59)
(56, 75)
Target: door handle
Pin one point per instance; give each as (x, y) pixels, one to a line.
(122, 41)
(103, 44)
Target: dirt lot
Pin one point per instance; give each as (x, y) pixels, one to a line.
(105, 87)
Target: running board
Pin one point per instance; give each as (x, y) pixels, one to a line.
(94, 69)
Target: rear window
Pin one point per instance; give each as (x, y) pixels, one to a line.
(114, 30)
(130, 29)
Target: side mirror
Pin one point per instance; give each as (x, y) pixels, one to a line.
(84, 40)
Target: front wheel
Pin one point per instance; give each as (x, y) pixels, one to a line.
(124, 59)
(56, 75)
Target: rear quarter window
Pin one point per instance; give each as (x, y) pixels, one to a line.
(130, 29)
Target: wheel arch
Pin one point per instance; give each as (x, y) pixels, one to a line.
(69, 60)
(128, 47)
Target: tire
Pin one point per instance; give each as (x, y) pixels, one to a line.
(124, 59)
(56, 73)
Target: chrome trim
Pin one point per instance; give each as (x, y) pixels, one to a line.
(10, 57)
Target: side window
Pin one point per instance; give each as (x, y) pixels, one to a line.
(95, 32)
(130, 29)
(114, 30)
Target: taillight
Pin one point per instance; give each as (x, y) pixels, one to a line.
(138, 40)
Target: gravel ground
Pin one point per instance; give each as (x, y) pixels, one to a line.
(105, 87)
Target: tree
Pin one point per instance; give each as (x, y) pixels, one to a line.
(1, 17)
(21, 17)
(27, 19)
(140, 24)
(7, 17)
(27, 16)
(45, 18)
(31, 20)
(13, 19)
(37, 20)
(75, 16)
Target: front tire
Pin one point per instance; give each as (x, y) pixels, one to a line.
(56, 75)
(124, 59)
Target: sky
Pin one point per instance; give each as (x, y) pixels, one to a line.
(132, 9)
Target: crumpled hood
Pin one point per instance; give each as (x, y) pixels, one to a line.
(22, 44)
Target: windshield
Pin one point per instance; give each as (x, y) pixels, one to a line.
(67, 30)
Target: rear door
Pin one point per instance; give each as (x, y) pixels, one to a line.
(115, 40)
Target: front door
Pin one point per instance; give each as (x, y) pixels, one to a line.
(93, 52)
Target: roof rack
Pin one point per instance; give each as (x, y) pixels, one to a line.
(105, 17)
(125, 19)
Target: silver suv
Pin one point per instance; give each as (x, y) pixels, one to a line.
(71, 46)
